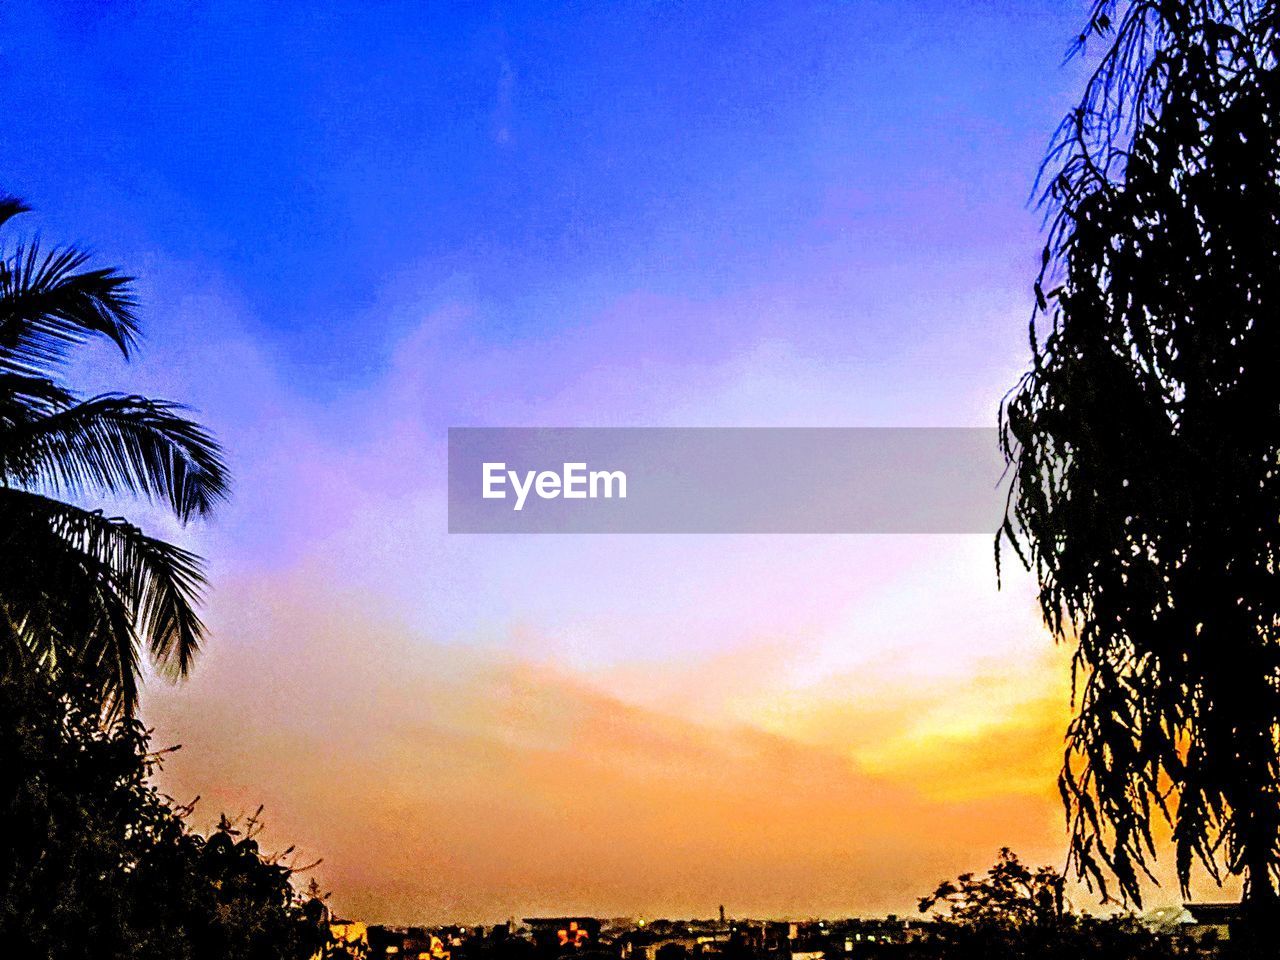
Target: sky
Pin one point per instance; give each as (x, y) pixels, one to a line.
(357, 225)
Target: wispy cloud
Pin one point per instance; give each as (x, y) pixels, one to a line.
(440, 782)
(470, 727)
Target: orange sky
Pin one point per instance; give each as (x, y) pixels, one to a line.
(443, 784)
(470, 728)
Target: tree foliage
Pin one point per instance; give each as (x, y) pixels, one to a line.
(80, 591)
(1013, 912)
(97, 863)
(1143, 441)
(1007, 893)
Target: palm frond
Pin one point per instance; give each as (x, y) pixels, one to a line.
(10, 207)
(66, 609)
(49, 304)
(81, 592)
(125, 587)
(117, 444)
(23, 398)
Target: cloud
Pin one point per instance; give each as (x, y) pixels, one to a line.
(470, 728)
(442, 783)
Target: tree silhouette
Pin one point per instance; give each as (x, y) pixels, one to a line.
(1009, 892)
(81, 591)
(95, 862)
(1143, 442)
(1012, 912)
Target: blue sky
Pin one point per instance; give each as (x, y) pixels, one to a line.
(538, 158)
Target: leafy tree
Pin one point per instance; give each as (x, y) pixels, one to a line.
(1143, 442)
(80, 591)
(96, 863)
(1013, 912)
(1008, 893)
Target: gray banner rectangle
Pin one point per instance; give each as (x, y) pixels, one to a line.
(724, 480)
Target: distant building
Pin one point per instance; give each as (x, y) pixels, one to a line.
(765, 936)
(405, 943)
(560, 933)
(1211, 922)
(348, 933)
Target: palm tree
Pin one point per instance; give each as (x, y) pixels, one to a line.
(81, 592)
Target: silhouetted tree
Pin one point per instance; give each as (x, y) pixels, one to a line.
(1013, 912)
(1008, 893)
(1143, 442)
(80, 591)
(94, 862)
